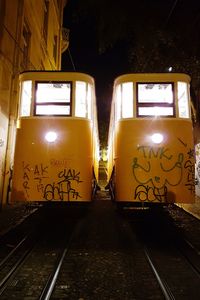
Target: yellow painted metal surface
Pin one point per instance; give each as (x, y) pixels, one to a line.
(149, 172)
(59, 171)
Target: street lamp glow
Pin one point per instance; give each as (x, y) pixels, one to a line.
(51, 136)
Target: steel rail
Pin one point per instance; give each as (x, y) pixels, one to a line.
(5, 281)
(190, 253)
(49, 287)
(163, 285)
(13, 251)
(51, 282)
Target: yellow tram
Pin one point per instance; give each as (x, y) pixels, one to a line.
(150, 143)
(57, 144)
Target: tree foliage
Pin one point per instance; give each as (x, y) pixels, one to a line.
(160, 34)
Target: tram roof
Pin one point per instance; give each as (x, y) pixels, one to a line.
(152, 77)
(55, 75)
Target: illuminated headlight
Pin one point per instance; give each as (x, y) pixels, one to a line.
(51, 136)
(157, 138)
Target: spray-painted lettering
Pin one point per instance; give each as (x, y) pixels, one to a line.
(150, 194)
(190, 167)
(63, 190)
(26, 177)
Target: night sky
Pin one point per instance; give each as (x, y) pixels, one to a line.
(103, 34)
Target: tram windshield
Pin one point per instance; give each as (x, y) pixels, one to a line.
(53, 98)
(183, 98)
(155, 99)
(83, 100)
(26, 96)
(124, 98)
(155, 93)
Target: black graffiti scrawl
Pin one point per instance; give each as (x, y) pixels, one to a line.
(190, 167)
(38, 173)
(63, 189)
(26, 177)
(37, 179)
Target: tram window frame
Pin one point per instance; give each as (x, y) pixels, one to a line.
(26, 87)
(53, 103)
(118, 103)
(83, 99)
(183, 100)
(127, 99)
(124, 99)
(155, 105)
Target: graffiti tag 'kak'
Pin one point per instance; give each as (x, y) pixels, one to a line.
(38, 172)
(34, 177)
(63, 189)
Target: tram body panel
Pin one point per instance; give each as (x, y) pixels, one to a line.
(57, 146)
(150, 143)
(53, 171)
(154, 173)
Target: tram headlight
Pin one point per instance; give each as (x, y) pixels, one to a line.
(157, 138)
(51, 136)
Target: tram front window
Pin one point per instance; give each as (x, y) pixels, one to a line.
(127, 100)
(183, 100)
(155, 111)
(124, 98)
(53, 98)
(155, 93)
(83, 100)
(26, 95)
(155, 99)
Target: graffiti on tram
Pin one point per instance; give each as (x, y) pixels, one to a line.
(156, 169)
(63, 188)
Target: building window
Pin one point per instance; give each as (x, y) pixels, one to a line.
(42, 65)
(53, 98)
(59, 4)
(2, 14)
(55, 47)
(26, 40)
(46, 19)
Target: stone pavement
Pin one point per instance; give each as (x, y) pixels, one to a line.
(12, 215)
(193, 209)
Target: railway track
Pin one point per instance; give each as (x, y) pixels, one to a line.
(171, 289)
(167, 293)
(13, 261)
(175, 261)
(33, 265)
(103, 255)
